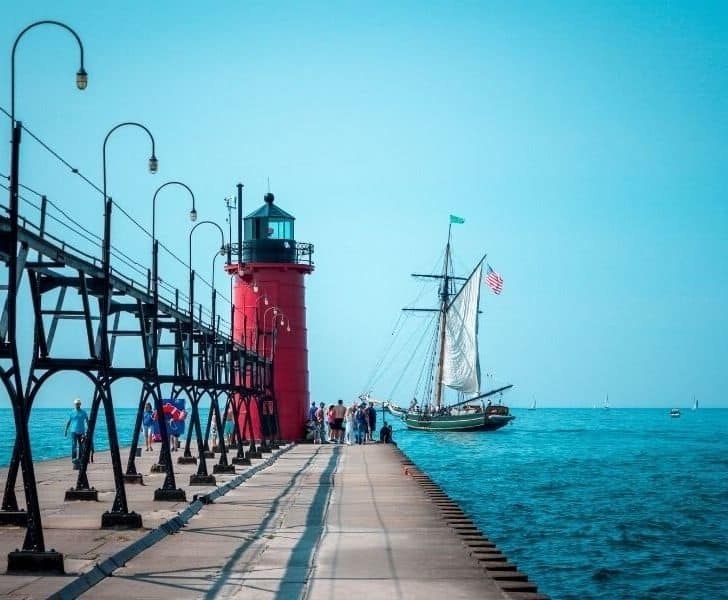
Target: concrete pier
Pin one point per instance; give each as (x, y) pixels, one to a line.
(313, 522)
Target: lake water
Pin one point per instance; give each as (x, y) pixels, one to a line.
(593, 503)
(46, 431)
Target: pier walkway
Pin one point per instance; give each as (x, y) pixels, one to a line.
(313, 522)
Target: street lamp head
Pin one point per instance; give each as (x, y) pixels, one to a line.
(265, 300)
(153, 164)
(255, 290)
(193, 215)
(81, 79)
(223, 250)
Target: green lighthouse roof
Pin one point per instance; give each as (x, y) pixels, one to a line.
(269, 210)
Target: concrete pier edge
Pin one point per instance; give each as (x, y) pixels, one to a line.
(495, 564)
(106, 568)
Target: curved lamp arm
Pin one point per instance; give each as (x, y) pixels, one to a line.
(193, 212)
(222, 238)
(81, 75)
(153, 162)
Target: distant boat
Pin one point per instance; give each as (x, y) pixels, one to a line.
(533, 405)
(674, 413)
(606, 403)
(695, 403)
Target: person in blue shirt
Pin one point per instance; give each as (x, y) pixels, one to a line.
(312, 411)
(77, 422)
(147, 422)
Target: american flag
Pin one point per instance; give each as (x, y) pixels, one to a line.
(494, 280)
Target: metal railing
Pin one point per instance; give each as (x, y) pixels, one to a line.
(276, 251)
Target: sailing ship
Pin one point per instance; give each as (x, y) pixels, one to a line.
(453, 361)
(533, 405)
(606, 403)
(695, 403)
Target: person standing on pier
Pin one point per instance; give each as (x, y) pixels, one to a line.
(360, 424)
(371, 421)
(330, 417)
(147, 422)
(312, 412)
(77, 421)
(349, 424)
(319, 433)
(339, 414)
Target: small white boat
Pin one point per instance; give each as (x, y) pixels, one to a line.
(674, 412)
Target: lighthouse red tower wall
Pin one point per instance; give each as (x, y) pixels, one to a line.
(283, 285)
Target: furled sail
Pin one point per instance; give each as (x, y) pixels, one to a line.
(460, 366)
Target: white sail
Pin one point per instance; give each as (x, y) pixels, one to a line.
(460, 366)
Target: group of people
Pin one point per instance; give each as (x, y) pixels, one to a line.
(339, 424)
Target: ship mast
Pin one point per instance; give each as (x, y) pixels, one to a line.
(444, 300)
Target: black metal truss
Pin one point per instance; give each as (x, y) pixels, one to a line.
(70, 288)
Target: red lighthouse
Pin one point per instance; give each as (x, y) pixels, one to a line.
(270, 312)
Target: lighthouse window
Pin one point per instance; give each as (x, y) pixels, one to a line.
(280, 229)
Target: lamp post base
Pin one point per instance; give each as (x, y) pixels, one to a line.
(187, 460)
(31, 561)
(118, 520)
(162, 495)
(133, 478)
(91, 495)
(14, 517)
(223, 469)
(202, 479)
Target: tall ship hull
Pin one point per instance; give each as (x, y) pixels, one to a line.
(482, 421)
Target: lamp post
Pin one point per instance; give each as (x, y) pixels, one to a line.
(269, 405)
(222, 466)
(263, 331)
(201, 477)
(266, 302)
(223, 249)
(120, 513)
(131, 476)
(278, 320)
(33, 556)
(213, 326)
(106, 251)
(155, 245)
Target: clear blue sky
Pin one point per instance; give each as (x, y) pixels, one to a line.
(583, 144)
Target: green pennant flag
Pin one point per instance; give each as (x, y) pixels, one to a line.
(458, 220)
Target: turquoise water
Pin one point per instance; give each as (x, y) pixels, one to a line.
(46, 432)
(589, 503)
(596, 503)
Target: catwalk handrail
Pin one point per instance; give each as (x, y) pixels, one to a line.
(49, 245)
